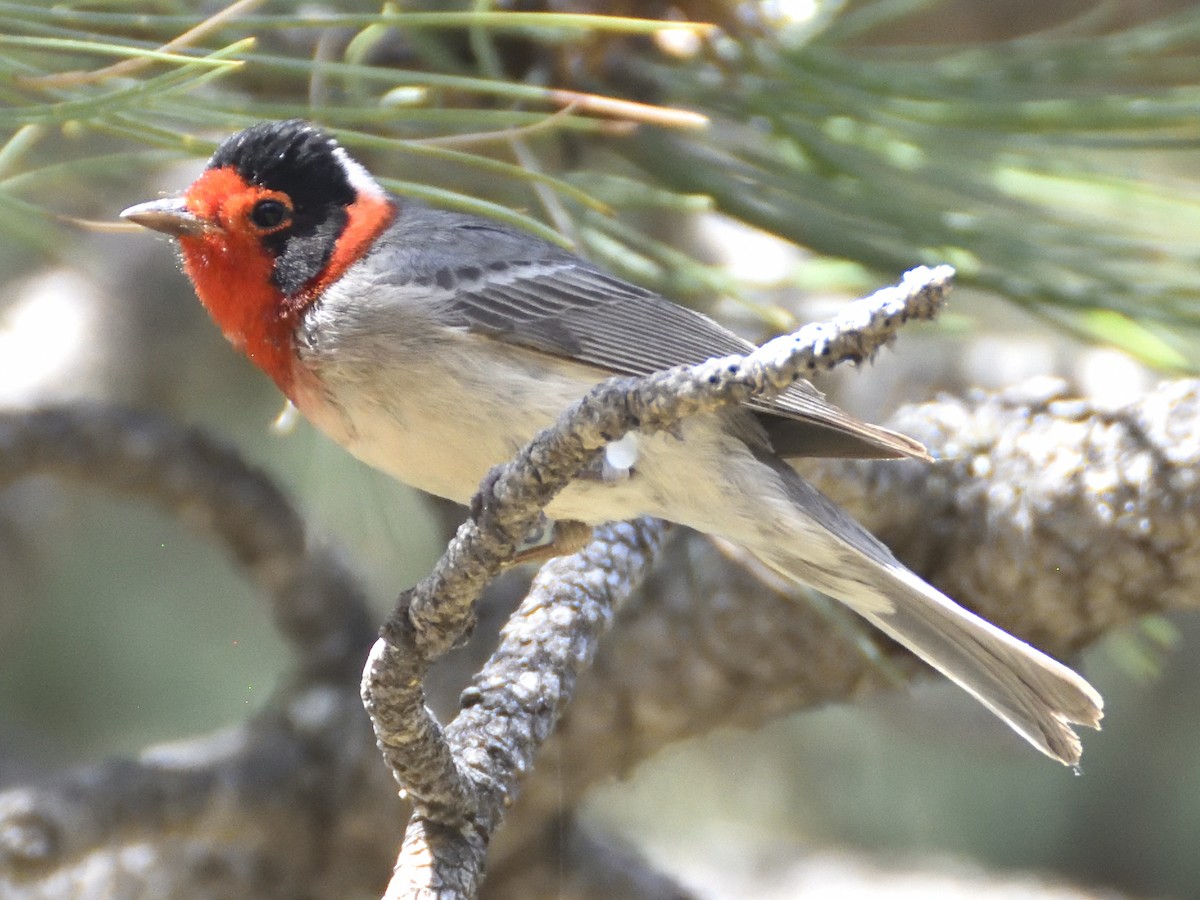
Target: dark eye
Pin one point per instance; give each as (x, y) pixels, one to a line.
(269, 213)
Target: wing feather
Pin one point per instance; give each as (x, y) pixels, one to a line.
(516, 289)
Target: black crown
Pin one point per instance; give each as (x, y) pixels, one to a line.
(294, 157)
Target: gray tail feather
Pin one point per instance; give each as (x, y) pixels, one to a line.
(1037, 696)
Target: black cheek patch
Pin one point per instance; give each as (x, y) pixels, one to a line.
(303, 252)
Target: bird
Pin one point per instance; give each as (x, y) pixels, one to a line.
(433, 344)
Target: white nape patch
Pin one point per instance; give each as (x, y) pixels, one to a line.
(620, 457)
(360, 179)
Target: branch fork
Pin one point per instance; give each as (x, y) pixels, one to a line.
(462, 778)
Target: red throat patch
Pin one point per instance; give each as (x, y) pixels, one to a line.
(231, 268)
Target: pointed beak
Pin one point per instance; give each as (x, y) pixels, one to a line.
(169, 216)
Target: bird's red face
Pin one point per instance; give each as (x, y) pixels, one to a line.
(279, 214)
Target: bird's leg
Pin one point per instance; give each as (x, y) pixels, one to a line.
(566, 536)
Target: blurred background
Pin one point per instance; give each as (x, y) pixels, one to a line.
(1048, 151)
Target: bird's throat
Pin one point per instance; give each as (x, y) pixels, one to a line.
(233, 280)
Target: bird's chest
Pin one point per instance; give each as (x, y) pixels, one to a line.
(435, 415)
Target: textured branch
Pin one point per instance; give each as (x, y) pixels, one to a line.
(454, 821)
(515, 701)
(216, 817)
(705, 645)
(1098, 504)
(317, 604)
(275, 809)
(296, 804)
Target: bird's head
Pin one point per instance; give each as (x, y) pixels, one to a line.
(280, 212)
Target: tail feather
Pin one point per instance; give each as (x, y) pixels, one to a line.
(806, 537)
(1037, 696)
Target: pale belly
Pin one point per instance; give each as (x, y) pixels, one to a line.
(443, 434)
(437, 435)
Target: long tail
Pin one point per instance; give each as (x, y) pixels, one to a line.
(1037, 696)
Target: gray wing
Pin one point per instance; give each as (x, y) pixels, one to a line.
(492, 280)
